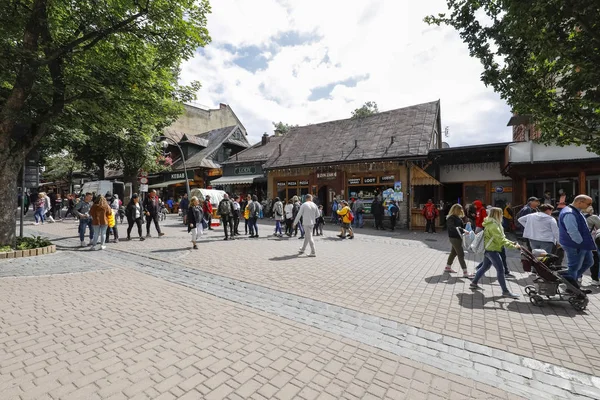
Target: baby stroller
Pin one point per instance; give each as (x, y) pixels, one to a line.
(549, 281)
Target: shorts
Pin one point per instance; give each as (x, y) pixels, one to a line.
(346, 225)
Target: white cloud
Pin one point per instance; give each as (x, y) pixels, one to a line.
(398, 59)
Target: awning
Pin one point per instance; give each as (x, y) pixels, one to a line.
(422, 178)
(167, 183)
(235, 180)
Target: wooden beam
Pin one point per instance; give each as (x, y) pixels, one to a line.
(582, 182)
(524, 195)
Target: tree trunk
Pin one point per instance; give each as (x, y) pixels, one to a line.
(131, 177)
(9, 176)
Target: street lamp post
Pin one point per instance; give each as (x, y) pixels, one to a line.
(165, 143)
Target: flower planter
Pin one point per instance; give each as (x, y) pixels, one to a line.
(29, 253)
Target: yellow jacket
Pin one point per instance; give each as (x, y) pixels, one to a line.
(507, 213)
(344, 212)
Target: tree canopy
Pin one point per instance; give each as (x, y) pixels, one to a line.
(91, 73)
(542, 57)
(281, 128)
(367, 109)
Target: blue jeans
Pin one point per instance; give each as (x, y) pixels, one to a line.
(278, 227)
(83, 223)
(99, 233)
(358, 221)
(39, 215)
(301, 228)
(546, 246)
(253, 226)
(492, 258)
(502, 257)
(578, 260)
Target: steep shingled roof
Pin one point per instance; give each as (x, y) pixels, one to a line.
(405, 132)
(215, 139)
(257, 152)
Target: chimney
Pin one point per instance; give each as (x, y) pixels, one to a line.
(265, 139)
(222, 106)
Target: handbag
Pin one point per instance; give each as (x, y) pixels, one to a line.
(204, 224)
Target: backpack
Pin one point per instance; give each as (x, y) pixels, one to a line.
(224, 208)
(394, 211)
(429, 213)
(350, 215)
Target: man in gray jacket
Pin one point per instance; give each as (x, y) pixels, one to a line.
(82, 211)
(309, 212)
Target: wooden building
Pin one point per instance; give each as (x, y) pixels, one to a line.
(378, 155)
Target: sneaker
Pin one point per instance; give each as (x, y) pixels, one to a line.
(466, 274)
(102, 247)
(82, 243)
(301, 237)
(450, 270)
(161, 234)
(195, 247)
(312, 255)
(116, 241)
(36, 223)
(474, 286)
(128, 238)
(351, 237)
(300, 251)
(142, 239)
(90, 243)
(595, 282)
(511, 295)
(510, 275)
(225, 238)
(148, 235)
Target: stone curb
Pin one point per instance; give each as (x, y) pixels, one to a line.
(29, 253)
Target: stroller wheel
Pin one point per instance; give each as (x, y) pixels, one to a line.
(530, 290)
(579, 304)
(536, 300)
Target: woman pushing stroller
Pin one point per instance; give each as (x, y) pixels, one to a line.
(494, 240)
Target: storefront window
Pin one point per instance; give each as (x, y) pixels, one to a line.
(537, 188)
(421, 194)
(593, 190)
(475, 192)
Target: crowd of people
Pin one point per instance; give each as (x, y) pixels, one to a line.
(574, 231)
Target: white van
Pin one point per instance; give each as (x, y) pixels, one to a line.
(103, 187)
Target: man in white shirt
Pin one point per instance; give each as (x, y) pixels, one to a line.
(541, 228)
(309, 212)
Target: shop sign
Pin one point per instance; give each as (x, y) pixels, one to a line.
(303, 183)
(215, 172)
(369, 180)
(250, 170)
(386, 179)
(292, 183)
(354, 181)
(175, 176)
(499, 189)
(502, 189)
(280, 184)
(326, 175)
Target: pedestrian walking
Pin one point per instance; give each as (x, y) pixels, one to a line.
(575, 237)
(48, 206)
(532, 206)
(346, 213)
(255, 208)
(430, 212)
(289, 217)
(246, 212)
(82, 211)
(394, 212)
(100, 213)
(541, 229)
(455, 226)
(308, 213)
(134, 213)
(358, 208)
(508, 218)
(207, 209)
(494, 241)
(184, 205)
(236, 215)
(278, 216)
(151, 210)
(195, 220)
(593, 222)
(58, 205)
(480, 215)
(299, 225)
(335, 206)
(318, 228)
(39, 213)
(225, 211)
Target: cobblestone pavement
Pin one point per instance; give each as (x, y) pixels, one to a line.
(379, 290)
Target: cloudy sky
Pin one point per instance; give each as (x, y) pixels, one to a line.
(308, 61)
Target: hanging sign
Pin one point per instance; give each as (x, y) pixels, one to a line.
(370, 180)
(354, 181)
(144, 188)
(292, 183)
(303, 183)
(250, 170)
(326, 175)
(386, 179)
(280, 184)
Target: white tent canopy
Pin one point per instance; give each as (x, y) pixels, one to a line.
(215, 195)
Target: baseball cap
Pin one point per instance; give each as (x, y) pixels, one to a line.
(533, 198)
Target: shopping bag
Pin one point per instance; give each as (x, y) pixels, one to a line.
(478, 245)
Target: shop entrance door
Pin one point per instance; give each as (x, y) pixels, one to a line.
(475, 191)
(323, 200)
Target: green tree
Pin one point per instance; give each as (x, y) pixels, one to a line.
(77, 68)
(367, 109)
(60, 168)
(542, 57)
(281, 128)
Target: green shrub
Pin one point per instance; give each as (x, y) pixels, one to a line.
(5, 249)
(33, 242)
